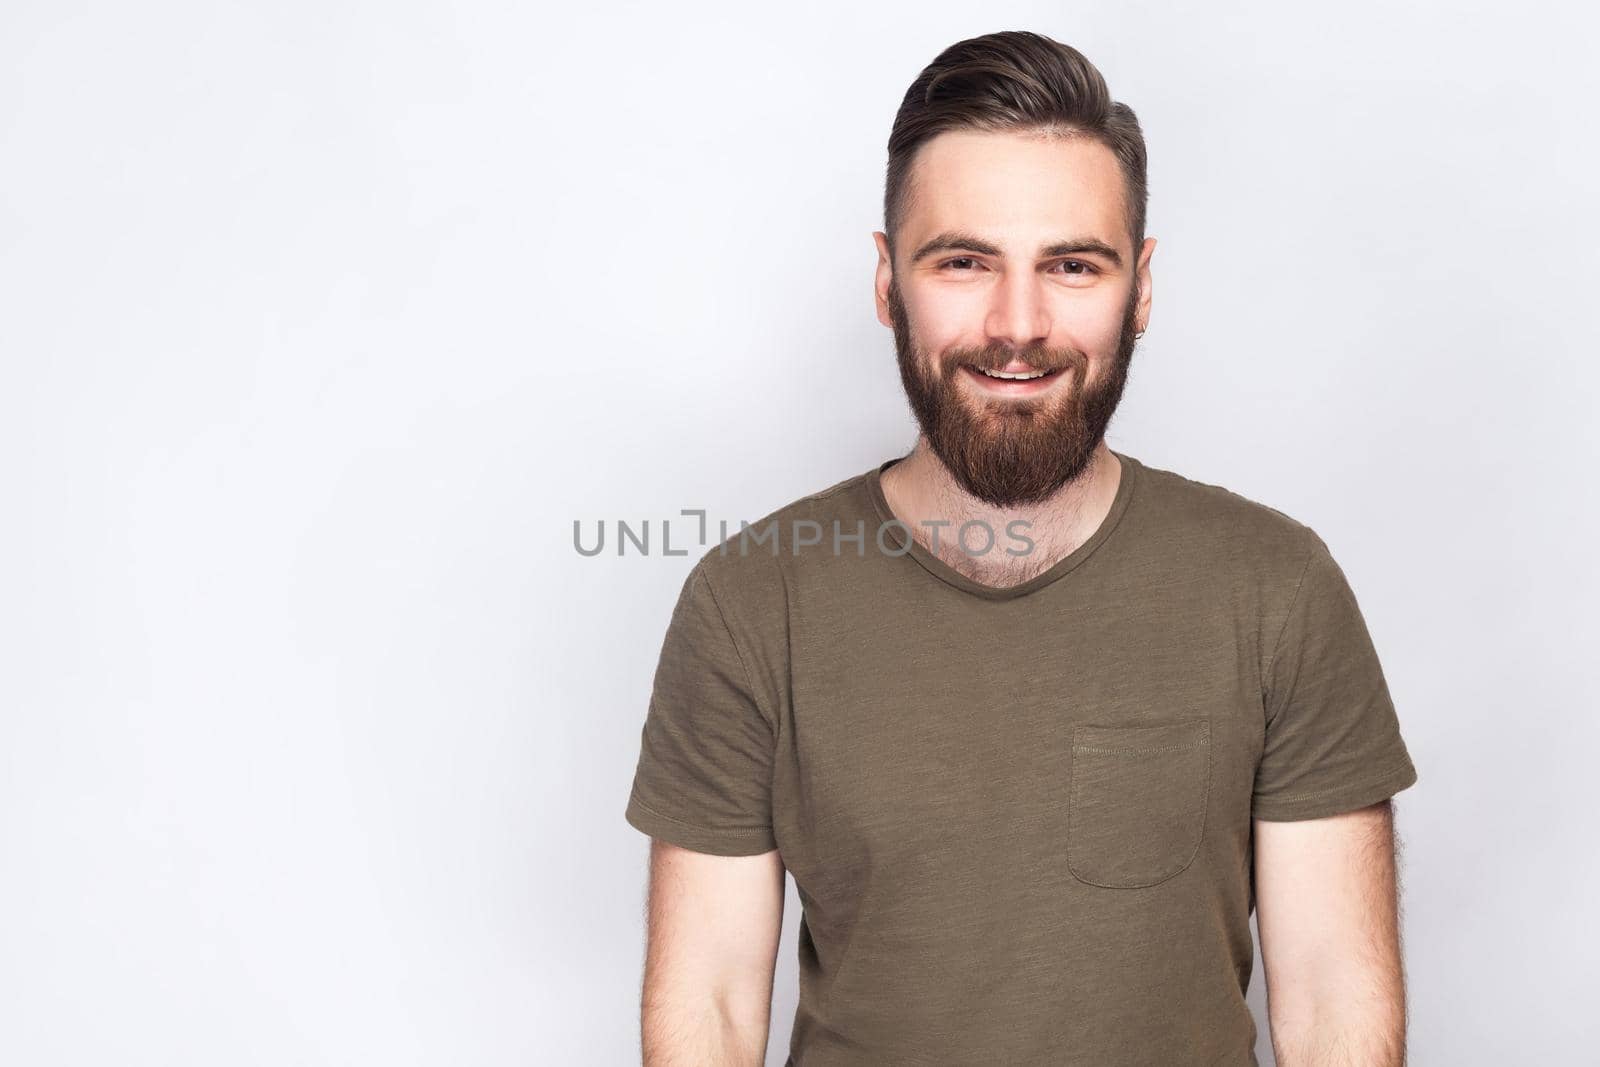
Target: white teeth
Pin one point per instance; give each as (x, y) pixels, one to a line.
(1016, 377)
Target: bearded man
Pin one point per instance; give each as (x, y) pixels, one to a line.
(1039, 726)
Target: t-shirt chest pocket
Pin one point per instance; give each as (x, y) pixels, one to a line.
(1136, 801)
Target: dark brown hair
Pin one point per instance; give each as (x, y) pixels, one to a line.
(1014, 81)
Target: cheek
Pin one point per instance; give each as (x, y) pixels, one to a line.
(1094, 331)
(943, 323)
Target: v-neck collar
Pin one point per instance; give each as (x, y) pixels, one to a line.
(1128, 478)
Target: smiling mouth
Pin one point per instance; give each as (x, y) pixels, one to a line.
(1016, 376)
(1016, 380)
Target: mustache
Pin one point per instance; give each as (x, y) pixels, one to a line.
(995, 357)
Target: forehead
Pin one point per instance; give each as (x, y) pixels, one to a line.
(1014, 188)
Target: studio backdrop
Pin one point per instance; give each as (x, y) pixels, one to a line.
(326, 325)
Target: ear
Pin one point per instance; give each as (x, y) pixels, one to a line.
(1146, 250)
(882, 277)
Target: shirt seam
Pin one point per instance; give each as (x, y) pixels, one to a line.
(1294, 601)
(759, 831)
(1398, 771)
(734, 641)
(843, 486)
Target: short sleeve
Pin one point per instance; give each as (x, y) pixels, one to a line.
(1333, 741)
(703, 780)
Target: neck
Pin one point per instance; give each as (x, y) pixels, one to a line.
(921, 490)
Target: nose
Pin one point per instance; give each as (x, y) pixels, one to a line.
(1018, 314)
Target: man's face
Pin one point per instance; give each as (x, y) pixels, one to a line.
(1014, 258)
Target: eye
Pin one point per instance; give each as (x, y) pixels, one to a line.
(1087, 269)
(959, 259)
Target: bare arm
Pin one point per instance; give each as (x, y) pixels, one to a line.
(1327, 905)
(714, 923)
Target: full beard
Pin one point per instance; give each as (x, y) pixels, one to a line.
(1021, 451)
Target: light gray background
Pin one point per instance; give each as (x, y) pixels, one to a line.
(323, 322)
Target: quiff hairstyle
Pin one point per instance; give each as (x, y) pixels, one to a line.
(1019, 82)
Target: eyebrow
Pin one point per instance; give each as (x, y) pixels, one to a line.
(961, 241)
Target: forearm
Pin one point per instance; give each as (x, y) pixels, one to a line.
(1328, 910)
(686, 1031)
(1341, 1032)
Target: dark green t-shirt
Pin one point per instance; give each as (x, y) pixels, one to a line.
(1018, 820)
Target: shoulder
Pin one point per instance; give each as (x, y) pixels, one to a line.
(754, 564)
(1223, 527)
